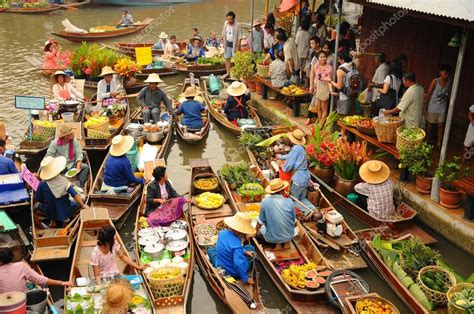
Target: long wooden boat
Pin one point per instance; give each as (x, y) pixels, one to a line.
(45, 9)
(214, 217)
(92, 220)
(219, 116)
(161, 72)
(56, 243)
(130, 88)
(13, 237)
(190, 137)
(97, 36)
(175, 304)
(200, 69)
(129, 48)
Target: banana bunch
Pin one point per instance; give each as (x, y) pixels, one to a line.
(293, 90)
(45, 124)
(94, 121)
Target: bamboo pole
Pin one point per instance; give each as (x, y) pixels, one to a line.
(336, 47)
(266, 7)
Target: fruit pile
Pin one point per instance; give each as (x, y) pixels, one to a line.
(94, 122)
(303, 276)
(293, 90)
(367, 123)
(164, 273)
(208, 200)
(143, 222)
(370, 306)
(45, 123)
(352, 120)
(206, 184)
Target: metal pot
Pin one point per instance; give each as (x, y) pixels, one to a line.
(135, 128)
(176, 235)
(179, 224)
(70, 106)
(154, 250)
(177, 246)
(154, 137)
(148, 240)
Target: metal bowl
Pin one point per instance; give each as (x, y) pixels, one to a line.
(154, 137)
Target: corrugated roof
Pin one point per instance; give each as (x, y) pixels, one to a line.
(457, 9)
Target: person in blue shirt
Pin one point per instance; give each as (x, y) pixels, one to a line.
(54, 191)
(297, 163)
(236, 106)
(7, 166)
(191, 109)
(195, 49)
(276, 222)
(230, 254)
(118, 172)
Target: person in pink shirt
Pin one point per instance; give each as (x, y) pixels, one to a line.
(15, 275)
(321, 72)
(103, 256)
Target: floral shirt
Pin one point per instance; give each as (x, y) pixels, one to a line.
(106, 262)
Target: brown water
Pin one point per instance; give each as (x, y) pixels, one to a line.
(24, 35)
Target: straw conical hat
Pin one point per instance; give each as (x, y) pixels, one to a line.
(190, 91)
(237, 88)
(121, 145)
(276, 185)
(153, 78)
(117, 296)
(106, 71)
(163, 35)
(52, 166)
(240, 222)
(374, 172)
(297, 137)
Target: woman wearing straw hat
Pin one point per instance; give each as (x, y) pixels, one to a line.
(70, 148)
(117, 297)
(63, 89)
(53, 57)
(161, 43)
(151, 97)
(54, 191)
(230, 254)
(376, 193)
(236, 106)
(191, 109)
(109, 86)
(257, 37)
(276, 222)
(118, 174)
(195, 49)
(297, 163)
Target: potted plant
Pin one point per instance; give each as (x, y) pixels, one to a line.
(418, 161)
(243, 69)
(448, 172)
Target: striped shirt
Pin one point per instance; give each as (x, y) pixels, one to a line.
(379, 198)
(15, 275)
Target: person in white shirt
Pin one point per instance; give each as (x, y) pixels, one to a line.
(269, 37)
(379, 76)
(257, 37)
(291, 53)
(302, 41)
(109, 86)
(232, 35)
(171, 48)
(163, 40)
(63, 89)
(126, 20)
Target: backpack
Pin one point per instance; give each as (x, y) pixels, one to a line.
(352, 84)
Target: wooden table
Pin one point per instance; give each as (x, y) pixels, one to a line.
(467, 186)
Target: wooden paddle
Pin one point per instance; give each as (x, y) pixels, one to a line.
(234, 300)
(327, 241)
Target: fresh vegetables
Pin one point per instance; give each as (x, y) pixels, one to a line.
(251, 191)
(208, 200)
(413, 133)
(248, 139)
(206, 184)
(373, 306)
(238, 175)
(464, 299)
(435, 281)
(211, 60)
(416, 255)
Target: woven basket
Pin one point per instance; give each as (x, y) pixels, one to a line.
(387, 132)
(93, 133)
(262, 70)
(366, 110)
(304, 109)
(164, 288)
(393, 308)
(453, 308)
(433, 295)
(45, 131)
(407, 144)
(103, 127)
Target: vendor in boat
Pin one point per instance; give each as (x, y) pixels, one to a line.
(102, 258)
(229, 253)
(376, 192)
(53, 58)
(195, 50)
(277, 219)
(118, 174)
(7, 166)
(126, 20)
(63, 89)
(171, 48)
(296, 162)
(236, 105)
(16, 274)
(109, 86)
(70, 148)
(191, 109)
(54, 191)
(150, 99)
(160, 191)
(213, 41)
(163, 40)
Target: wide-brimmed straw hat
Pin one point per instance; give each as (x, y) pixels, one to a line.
(190, 91)
(117, 297)
(64, 130)
(163, 35)
(257, 22)
(153, 78)
(58, 73)
(374, 172)
(51, 167)
(297, 137)
(121, 144)
(236, 89)
(106, 71)
(240, 222)
(276, 185)
(196, 38)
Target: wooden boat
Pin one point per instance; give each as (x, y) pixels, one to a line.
(175, 304)
(219, 116)
(129, 48)
(189, 136)
(45, 9)
(161, 72)
(76, 37)
(200, 69)
(56, 243)
(92, 220)
(13, 237)
(214, 217)
(131, 88)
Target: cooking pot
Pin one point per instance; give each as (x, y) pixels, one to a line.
(154, 137)
(70, 105)
(154, 250)
(13, 302)
(146, 232)
(135, 128)
(179, 224)
(177, 246)
(147, 240)
(176, 235)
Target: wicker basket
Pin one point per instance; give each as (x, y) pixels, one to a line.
(262, 70)
(407, 144)
(453, 308)
(45, 131)
(366, 110)
(387, 132)
(164, 288)
(93, 133)
(103, 127)
(433, 295)
(393, 308)
(304, 109)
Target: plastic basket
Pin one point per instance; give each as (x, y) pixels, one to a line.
(262, 70)
(452, 307)
(304, 109)
(433, 295)
(387, 132)
(165, 288)
(408, 144)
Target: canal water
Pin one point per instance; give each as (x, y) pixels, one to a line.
(24, 35)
